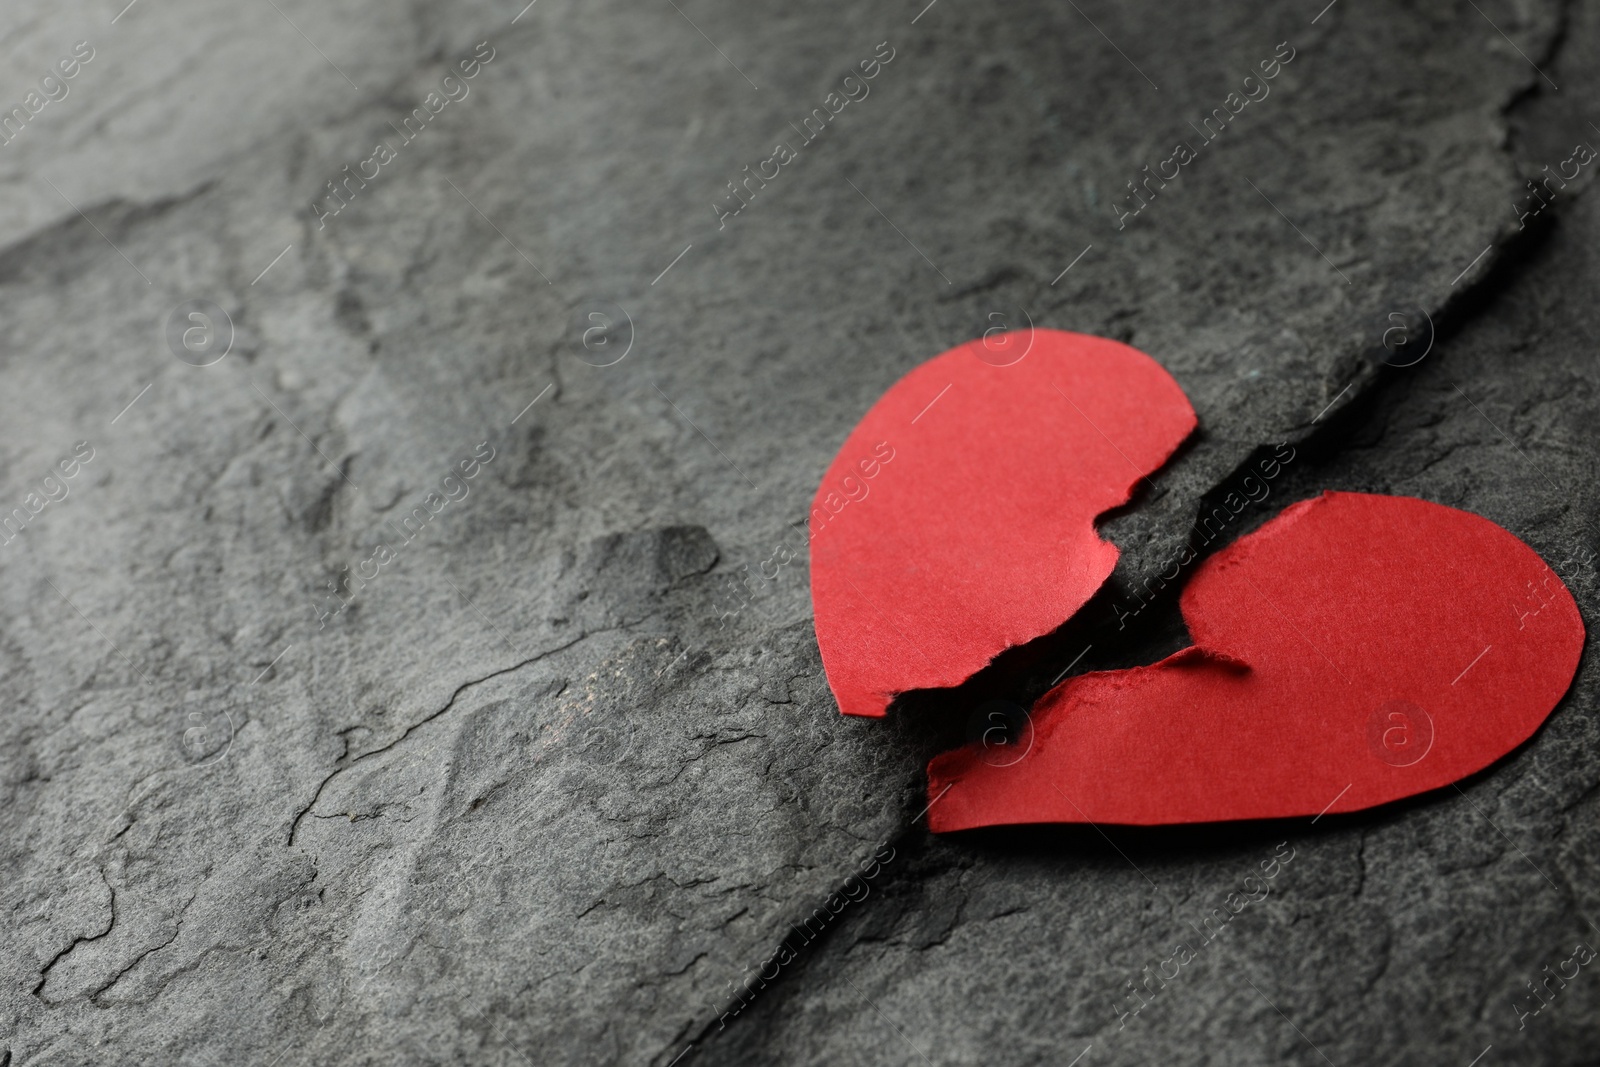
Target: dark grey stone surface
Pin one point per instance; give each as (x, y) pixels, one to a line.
(550, 782)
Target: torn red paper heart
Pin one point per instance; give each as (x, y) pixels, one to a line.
(957, 520)
(1354, 650)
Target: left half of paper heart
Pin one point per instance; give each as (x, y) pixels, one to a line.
(958, 518)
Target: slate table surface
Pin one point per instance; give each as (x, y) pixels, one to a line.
(555, 773)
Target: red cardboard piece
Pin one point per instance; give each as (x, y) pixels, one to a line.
(1354, 650)
(957, 520)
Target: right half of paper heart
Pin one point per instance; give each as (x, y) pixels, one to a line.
(1354, 650)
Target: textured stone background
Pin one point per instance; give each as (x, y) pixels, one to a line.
(536, 796)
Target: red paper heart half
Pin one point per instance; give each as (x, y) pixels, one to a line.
(957, 520)
(1354, 650)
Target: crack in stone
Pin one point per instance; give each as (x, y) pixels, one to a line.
(44, 972)
(425, 720)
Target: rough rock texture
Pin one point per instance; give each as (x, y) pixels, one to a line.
(565, 767)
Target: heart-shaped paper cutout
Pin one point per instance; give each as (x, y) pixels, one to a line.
(1354, 650)
(957, 520)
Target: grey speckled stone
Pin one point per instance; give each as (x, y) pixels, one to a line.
(563, 769)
